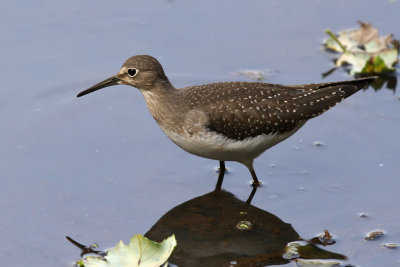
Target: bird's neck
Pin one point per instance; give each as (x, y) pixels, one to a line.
(160, 102)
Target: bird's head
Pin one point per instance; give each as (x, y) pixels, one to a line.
(142, 71)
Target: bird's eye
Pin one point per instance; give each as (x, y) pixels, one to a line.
(132, 72)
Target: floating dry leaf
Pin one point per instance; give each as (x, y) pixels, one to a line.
(140, 252)
(365, 50)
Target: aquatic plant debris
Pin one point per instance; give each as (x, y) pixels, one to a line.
(390, 245)
(292, 250)
(364, 50)
(298, 250)
(244, 225)
(363, 215)
(257, 75)
(318, 143)
(87, 249)
(326, 238)
(314, 263)
(140, 252)
(374, 234)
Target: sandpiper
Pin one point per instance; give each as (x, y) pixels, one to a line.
(228, 121)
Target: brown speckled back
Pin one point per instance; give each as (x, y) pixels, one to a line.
(240, 110)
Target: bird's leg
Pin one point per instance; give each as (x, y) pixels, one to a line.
(249, 165)
(250, 198)
(253, 174)
(220, 175)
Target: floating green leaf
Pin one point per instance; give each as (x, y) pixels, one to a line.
(140, 252)
(364, 50)
(375, 65)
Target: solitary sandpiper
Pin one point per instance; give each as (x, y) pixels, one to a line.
(228, 121)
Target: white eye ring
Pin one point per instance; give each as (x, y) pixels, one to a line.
(132, 72)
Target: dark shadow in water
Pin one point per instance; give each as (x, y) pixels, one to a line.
(385, 80)
(390, 80)
(217, 228)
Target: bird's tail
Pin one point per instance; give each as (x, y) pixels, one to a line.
(351, 86)
(324, 96)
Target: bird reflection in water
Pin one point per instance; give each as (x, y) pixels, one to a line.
(218, 229)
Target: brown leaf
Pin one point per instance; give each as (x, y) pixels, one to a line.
(365, 34)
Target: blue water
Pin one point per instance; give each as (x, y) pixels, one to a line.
(99, 169)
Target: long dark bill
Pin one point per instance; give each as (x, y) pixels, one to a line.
(114, 80)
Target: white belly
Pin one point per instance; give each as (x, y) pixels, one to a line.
(212, 145)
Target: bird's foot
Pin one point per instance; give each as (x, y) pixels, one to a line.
(256, 183)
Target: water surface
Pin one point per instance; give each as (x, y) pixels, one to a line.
(99, 169)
